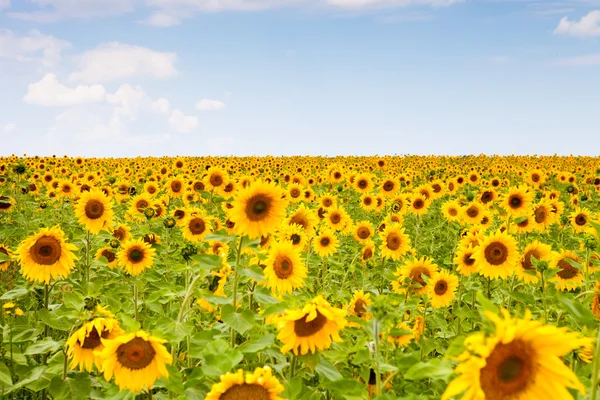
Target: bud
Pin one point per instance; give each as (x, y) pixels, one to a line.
(590, 242)
(169, 222)
(114, 243)
(149, 212)
(43, 205)
(112, 180)
(188, 251)
(20, 169)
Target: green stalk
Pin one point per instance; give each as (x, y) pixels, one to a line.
(595, 368)
(236, 277)
(377, 366)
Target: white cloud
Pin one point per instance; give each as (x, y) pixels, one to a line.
(115, 61)
(181, 122)
(579, 61)
(162, 20)
(209, 105)
(33, 47)
(9, 128)
(588, 26)
(4, 4)
(128, 100)
(161, 105)
(390, 3)
(70, 9)
(50, 93)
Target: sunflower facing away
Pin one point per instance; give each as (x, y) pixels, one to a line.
(285, 270)
(257, 385)
(311, 328)
(258, 209)
(87, 339)
(135, 360)
(136, 256)
(94, 211)
(520, 361)
(497, 255)
(46, 255)
(6, 251)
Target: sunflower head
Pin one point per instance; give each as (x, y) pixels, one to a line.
(257, 385)
(497, 255)
(136, 256)
(87, 339)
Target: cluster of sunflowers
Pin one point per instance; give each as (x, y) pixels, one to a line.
(359, 271)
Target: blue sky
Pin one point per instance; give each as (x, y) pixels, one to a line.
(294, 77)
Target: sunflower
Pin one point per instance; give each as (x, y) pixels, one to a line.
(517, 201)
(216, 180)
(363, 183)
(367, 252)
(6, 251)
(195, 227)
(139, 204)
(471, 214)
(294, 192)
(136, 360)
(87, 339)
(311, 328)
(401, 335)
(389, 187)
(580, 219)
(175, 187)
(46, 255)
(304, 217)
(257, 385)
(325, 243)
(441, 289)
(395, 242)
(109, 254)
(569, 277)
(596, 300)
(465, 263)
(521, 360)
(6, 204)
(526, 271)
(497, 256)
(363, 231)
(121, 232)
(285, 270)
(451, 210)
(410, 275)
(136, 256)
(337, 218)
(543, 216)
(418, 204)
(258, 209)
(94, 210)
(359, 305)
(294, 234)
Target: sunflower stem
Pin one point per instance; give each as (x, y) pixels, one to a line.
(64, 375)
(595, 368)
(460, 285)
(377, 366)
(135, 299)
(236, 276)
(293, 366)
(87, 257)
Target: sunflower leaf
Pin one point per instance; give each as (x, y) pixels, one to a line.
(348, 389)
(43, 346)
(15, 293)
(328, 370)
(4, 257)
(207, 261)
(433, 369)
(76, 386)
(218, 358)
(254, 346)
(240, 322)
(5, 376)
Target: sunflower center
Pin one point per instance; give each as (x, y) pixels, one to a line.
(388, 186)
(509, 370)
(368, 253)
(535, 177)
(418, 204)
(92, 340)
(468, 260)
(580, 219)
(567, 271)
(540, 214)
(335, 218)
(325, 241)
(110, 256)
(416, 277)
(327, 202)
(367, 201)
(94, 209)
(295, 238)
(141, 205)
(453, 212)
(258, 207)
(496, 253)
(135, 354)
(136, 255)
(363, 232)
(119, 234)
(304, 328)
(486, 197)
(360, 307)
(362, 184)
(440, 288)
(527, 263)
(515, 202)
(393, 242)
(176, 186)
(197, 226)
(283, 267)
(5, 203)
(295, 193)
(46, 250)
(246, 391)
(473, 211)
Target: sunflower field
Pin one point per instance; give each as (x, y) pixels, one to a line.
(471, 277)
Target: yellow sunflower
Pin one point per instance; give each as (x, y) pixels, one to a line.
(135, 360)
(401, 335)
(326, 243)
(526, 271)
(195, 227)
(418, 204)
(304, 217)
(568, 277)
(451, 210)
(580, 219)
(258, 209)
(363, 231)
(367, 252)
(337, 218)
(94, 210)
(410, 275)
(46, 255)
(109, 254)
(87, 339)
(294, 234)
(6, 251)
(497, 256)
(521, 360)
(311, 328)
(6, 204)
(543, 216)
(136, 256)
(441, 289)
(285, 269)
(517, 201)
(257, 385)
(139, 204)
(395, 242)
(465, 263)
(121, 232)
(359, 304)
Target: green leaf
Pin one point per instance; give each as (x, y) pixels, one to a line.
(524, 298)
(456, 347)
(257, 345)
(328, 370)
(207, 261)
(263, 295)
(77, 386)
(128, 323)
(520, 220)
(33, 375)
(274, 309)
(15, 293)
(43, 346)
(241, 322)
(221, 237)
(4, 257)
(218, 358)
(56, 321)
(73, 300)
(5, 376)
(486, 304)
(434, 369)
(253, 271)
(578, 311)
(349, 389)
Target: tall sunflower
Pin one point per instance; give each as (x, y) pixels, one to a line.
(46, 255)
(363, 231)
(520, 360)
(195, 227)
(568, 277)
(410, 275)
(94, 210)
(526, 271)
(257, 385)
(359, 304)
(135, 256)
(258, 209)
(395, 242)
(441, 289)
(497, 255)
(326, 243)
(312, 327)
(517, 201)
(82, 344)
(580, 218)
(285, 270)
(135, 360)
